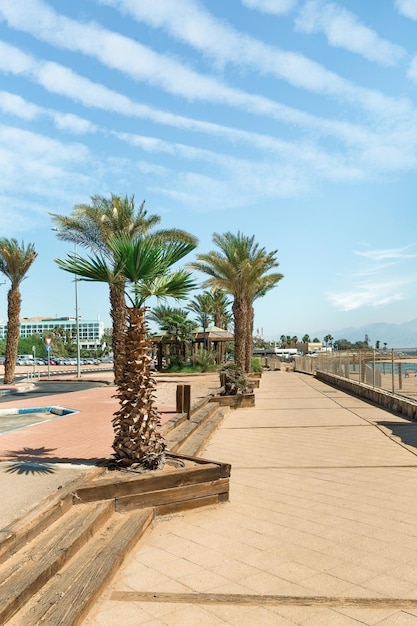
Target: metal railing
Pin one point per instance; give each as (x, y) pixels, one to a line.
(392, 370)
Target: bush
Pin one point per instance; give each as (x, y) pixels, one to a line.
(205, 359)
(255, 364)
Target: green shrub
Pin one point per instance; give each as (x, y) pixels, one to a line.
(255, 364)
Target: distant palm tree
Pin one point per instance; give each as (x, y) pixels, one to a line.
(328, 340)
(15, 261)
(92, 226)
(306, 338)
(239, 268)
(177, 327)
(141, 266)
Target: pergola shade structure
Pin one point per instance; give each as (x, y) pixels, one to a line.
(209, 338)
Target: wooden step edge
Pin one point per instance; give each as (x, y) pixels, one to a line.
(198, 441)
(173, 496)
(42, 515)
(110, 489)
(176, 438)
(67, 598)
(33, 566)
(211, 424)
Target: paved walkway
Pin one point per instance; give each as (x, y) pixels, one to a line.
(321, 527)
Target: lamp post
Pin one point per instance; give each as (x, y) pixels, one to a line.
(77, 321)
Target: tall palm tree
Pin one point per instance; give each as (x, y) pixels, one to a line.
(260, 286)
(15, 261)
(142, 268)
(239, 268)
(91, 227)
(221, 309)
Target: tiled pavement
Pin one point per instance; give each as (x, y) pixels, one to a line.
(321, 527)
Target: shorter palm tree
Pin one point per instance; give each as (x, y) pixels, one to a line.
(143, 266)
(15, 261)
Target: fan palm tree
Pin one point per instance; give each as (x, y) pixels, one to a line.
(15, 261)
(141, 267)
(91, 227)
(239, 268)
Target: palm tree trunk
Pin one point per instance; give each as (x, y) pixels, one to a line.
(249, 335)
(239, 314)
(136, 424)
(14, 301)
(119, 317)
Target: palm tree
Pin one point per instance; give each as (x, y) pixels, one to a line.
(15, 261)
(221, 308)
(239, 269)
(141, 266)
(261, 285)
(328, 340)
(201, 305)
(306, 338)
(91, 226)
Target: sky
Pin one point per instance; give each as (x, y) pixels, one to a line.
(293, 121)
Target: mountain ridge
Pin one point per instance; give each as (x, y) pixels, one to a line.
(402, 335)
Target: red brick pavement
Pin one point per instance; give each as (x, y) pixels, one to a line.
(86, 435)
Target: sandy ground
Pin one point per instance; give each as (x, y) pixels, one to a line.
(24, 485)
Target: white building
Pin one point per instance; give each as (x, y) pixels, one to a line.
(90, 331)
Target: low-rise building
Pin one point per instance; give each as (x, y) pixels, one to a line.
(90, 331)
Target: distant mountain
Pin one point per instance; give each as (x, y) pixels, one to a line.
(394, 335)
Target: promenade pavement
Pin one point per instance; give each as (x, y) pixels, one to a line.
(321, 527)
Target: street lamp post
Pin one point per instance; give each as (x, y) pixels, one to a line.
(77, 321)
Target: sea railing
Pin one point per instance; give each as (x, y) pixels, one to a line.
(393, 370)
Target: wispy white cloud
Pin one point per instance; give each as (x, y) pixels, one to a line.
(343, 29)
(15, 105)
(412, 70)
(408, 8)
(367, 294)
(274, 7)
(386, 280)
(45, 168)
(64, 81)
(389, 253)
(188, 21)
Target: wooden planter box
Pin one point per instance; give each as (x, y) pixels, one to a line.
(235, 402)
(199, 483)
(254, 375)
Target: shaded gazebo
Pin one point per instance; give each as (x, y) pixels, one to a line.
(209, 338)
(213, 338)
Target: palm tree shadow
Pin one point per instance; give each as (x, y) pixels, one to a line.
(407, 432)
(42, 461)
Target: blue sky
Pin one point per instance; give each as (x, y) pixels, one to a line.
(291, 120)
